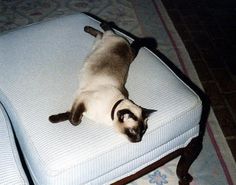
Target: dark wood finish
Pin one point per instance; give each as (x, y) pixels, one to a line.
(149, 168)
(189, 154)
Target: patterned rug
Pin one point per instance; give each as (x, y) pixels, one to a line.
(215, 165)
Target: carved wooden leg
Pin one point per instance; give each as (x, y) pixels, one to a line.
(190, 153)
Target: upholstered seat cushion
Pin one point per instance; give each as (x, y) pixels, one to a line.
(11, 170)
(39, 67)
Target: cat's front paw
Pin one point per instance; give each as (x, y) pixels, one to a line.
(59, 117)
(75, 123)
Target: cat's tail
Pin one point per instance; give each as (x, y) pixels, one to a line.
(59, 117)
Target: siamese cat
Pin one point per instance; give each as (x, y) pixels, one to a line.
(102, 96)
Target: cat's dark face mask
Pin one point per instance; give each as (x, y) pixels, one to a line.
(135, 134)
(132, 126)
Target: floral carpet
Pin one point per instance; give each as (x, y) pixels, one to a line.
(215, 165)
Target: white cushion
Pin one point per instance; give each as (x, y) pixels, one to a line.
(11, 171)
(39, 76)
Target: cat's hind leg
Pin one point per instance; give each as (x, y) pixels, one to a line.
(74, 116)
(77, 113)
(92, 31)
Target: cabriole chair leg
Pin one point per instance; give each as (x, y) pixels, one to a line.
(189, 154)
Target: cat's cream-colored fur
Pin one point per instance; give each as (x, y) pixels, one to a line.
(102, 96)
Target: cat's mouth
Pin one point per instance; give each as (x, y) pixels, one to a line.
(135, 140)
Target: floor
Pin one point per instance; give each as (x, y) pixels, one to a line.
(208, 29)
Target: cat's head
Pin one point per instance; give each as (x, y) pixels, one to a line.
(130, 119)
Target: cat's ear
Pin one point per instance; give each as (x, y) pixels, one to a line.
(147, 112)
(77, 113)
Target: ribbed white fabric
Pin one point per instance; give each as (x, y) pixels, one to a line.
(39, 75)
(11, 171)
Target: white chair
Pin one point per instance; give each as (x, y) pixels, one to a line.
(39, 67)
(11, 170)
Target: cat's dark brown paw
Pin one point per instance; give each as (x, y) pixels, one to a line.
(92, 31)
(53, 119)
(75, 123)
(59, 117)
